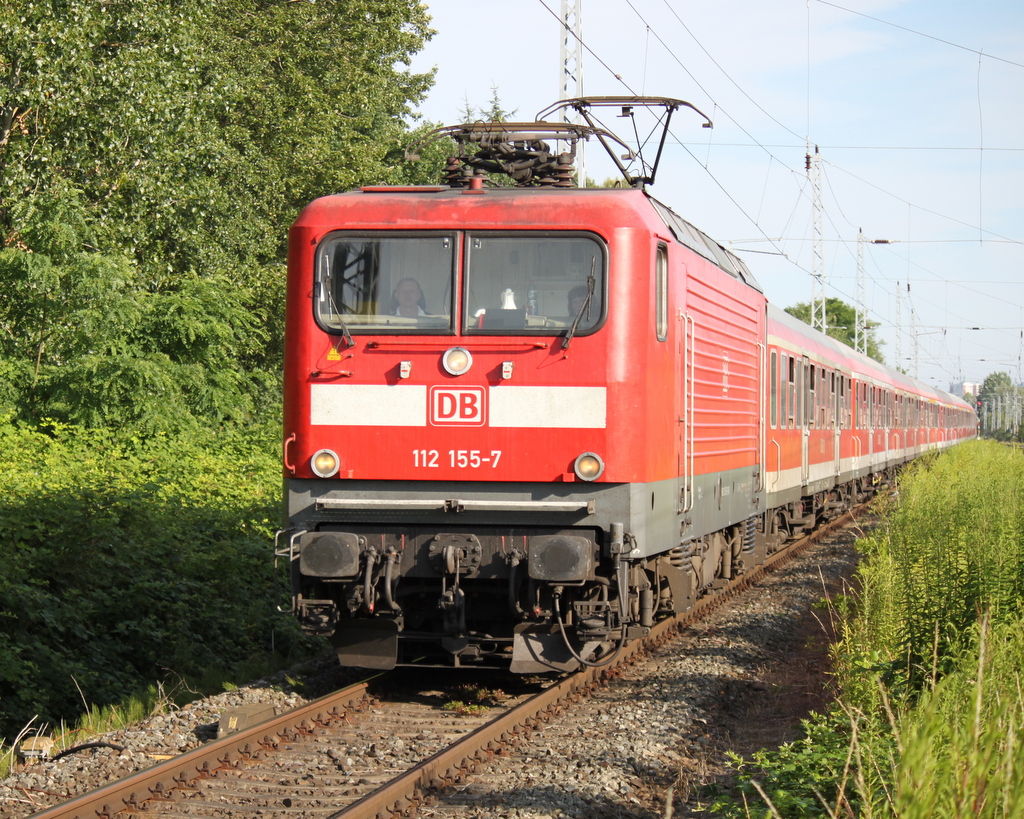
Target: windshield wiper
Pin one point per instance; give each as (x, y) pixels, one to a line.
(336, 313)
(345, 332)
(585, 307)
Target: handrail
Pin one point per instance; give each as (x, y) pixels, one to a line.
(689, 343)
(455, 505)
(284, 452)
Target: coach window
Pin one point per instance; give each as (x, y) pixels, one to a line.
(774, 397)
(783, 388)
(661, 296)
(792, 392)
(822, 420)
(842, 402)
(828, 402)
(809, 397)
(802, 382)
(832, 406)
(533, 284)
(385, 283)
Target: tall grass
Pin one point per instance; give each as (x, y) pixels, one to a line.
(959, 747)
(930, 663)
(951, 549)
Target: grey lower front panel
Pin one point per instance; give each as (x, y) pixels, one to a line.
(657, 515)
(312, 503)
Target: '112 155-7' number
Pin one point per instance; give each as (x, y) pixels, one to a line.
(461, 458)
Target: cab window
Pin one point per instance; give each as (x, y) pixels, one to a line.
(385, 283)
(530, 284)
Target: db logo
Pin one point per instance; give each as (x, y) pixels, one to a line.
(461, 406)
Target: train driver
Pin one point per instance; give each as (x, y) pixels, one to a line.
(408, 300)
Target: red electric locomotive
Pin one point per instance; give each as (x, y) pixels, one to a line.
(522, 423)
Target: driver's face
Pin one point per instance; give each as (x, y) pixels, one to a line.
(408, 293)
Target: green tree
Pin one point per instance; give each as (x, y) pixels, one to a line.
(196, 131)
(841, 320)
(152, 155)
(1002, 406)
(83, 341)
(496, 112)
(996, 384)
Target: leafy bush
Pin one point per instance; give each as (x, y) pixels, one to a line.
(807, 777)
(125, 558)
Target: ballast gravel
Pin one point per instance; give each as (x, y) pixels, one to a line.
(654, 742)
(658, 733)
(141, 746)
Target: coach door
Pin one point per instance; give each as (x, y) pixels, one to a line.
(804, 409)
(838, 393)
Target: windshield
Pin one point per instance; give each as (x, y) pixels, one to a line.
(528, 284)
(386, 283)
(522, 284)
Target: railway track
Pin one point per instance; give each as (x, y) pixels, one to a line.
(350, 754)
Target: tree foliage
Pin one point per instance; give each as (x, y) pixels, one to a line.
(1001, 407)
(841, 321)
(152, 155)
(995, 385)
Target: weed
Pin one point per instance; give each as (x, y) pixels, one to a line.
(462, 709)
(478, 694)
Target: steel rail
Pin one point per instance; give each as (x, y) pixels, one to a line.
(157, 781)
(405, 794)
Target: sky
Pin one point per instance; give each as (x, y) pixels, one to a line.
(916, 108)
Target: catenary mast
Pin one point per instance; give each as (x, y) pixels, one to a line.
(570, 85)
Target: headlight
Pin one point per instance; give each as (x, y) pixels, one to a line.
(588, 466)
(457, 360)
(324, 463)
